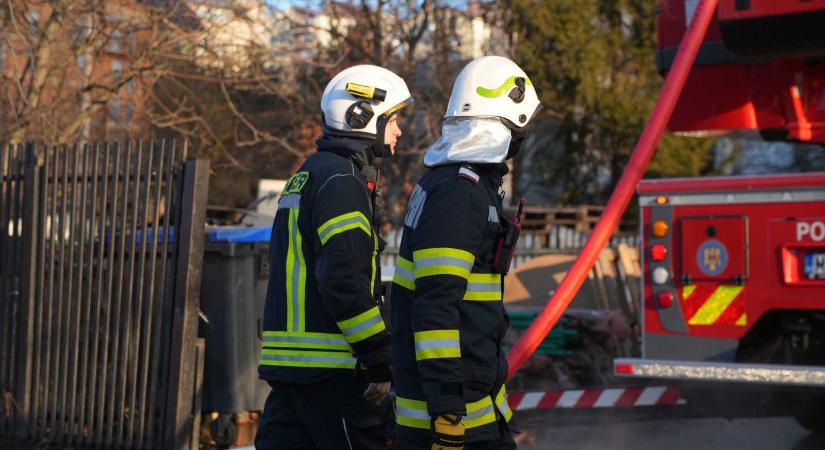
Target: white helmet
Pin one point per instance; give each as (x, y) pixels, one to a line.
(494, 86)
(359, 101)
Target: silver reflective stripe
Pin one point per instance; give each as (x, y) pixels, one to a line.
(309, 359)
(290, 201)
(431, 344)
(415, 206)
(404, 273)
(486, 410)
(362, 326)
(442, 261)
(403, 411)
(493, 216)
(484, 287)
(503, 405)
(331, 229)
(304, 340)
(718, 371)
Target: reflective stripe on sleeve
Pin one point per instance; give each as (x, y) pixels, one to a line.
(437, 344)
(442, 261)
(414, 414)
(403, 275)
(362, 326)
(479, 413)
(483, 287)
(502, 404)
(355, 220)
(290, 201)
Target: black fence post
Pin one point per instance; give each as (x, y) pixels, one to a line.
(180, 417)
(28, 288)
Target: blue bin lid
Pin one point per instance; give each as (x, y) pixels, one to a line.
(239, 234)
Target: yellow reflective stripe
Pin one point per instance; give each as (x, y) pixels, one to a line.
(437, 344)
(403, 275)
(414, 413)
(503, 405)
(296, 340)
(483, 287)
(442, 261)
(687, 291)
(502, 89)
(715, 305)
(479, 413)
(303, 358)
(355, 220)
(742, 320)
(374, 256)
(363, 325)
(484, 278)
(482, 296)
(295, 276)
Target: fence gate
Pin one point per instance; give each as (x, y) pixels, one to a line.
(100, 259)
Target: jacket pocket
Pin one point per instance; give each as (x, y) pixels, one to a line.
(478, 382)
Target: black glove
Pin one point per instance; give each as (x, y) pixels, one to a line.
(448, 432)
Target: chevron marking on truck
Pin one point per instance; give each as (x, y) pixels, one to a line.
(595, 398)
(714, 305)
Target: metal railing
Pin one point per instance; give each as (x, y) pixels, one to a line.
(558, 239)
(100, 277)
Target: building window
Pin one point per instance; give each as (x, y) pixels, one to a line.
(34, 22)
(114, 111)
(130, 83)
(128, 113)
(117, 71)
(116, 41)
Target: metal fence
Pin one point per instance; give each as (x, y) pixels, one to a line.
(100, 250)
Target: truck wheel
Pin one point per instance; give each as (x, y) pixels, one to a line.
(223, 431)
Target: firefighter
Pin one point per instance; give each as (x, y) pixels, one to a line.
(448, 318)
(326, 351)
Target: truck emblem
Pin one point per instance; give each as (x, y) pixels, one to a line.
(712, 257)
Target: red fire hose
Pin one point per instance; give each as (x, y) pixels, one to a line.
(674, 82)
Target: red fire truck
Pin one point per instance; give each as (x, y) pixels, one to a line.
(734, 267)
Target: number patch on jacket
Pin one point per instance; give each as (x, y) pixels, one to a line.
(296, 182)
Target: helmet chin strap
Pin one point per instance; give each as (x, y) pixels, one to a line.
(516, 142)
(379, 148)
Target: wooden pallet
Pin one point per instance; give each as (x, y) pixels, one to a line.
(582, 218)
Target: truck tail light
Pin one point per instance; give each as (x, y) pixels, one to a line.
(658, 252)
(665, 299)
(660, 228)
(660, 275)
(626, 369)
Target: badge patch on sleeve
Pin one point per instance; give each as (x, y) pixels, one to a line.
(296, 183)
(415, 206)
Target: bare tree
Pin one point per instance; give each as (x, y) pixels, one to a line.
(240, 79)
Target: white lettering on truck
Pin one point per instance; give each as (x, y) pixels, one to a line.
(814, 230)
